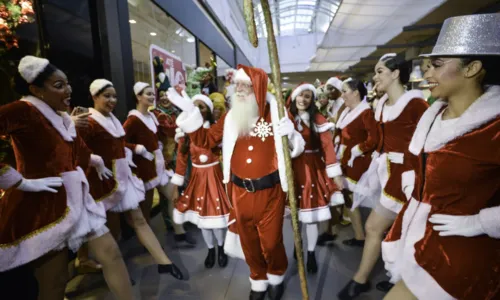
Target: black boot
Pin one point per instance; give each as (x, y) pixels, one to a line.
(312, 267)
(353, 289)
(210, 260)
(384, 286)
(257, 295)
(276, 291)
(172, 270)
(221, 256)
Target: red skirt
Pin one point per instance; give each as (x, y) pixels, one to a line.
(314, 189)
(204, 202)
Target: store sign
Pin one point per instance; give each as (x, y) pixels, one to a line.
(172, 65)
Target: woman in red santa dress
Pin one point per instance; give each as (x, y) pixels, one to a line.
(397, 114)
(141, 135)
(204, 202)
(445, 242)
(47, 207)
(123, 191)
(315, 168)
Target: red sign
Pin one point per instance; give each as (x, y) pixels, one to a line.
(173, 65)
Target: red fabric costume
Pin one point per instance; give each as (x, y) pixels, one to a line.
(33, 224)
(204, 202)
(461, 178)
(259, 214)
(105, 137)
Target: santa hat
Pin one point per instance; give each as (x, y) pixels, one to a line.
(139, 87)
(301, 88)
(205, 100)
(258, 78)
(31, 66)
(98, 85)
(335, 82)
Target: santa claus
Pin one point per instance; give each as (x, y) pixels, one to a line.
(254, 168)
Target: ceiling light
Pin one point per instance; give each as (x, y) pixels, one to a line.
(190, 39)
(152, 33)
(285, 78)
(173, 51)
(132, 21)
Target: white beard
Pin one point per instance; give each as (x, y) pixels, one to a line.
(245, 112)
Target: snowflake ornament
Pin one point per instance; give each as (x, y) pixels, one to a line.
(262, 130)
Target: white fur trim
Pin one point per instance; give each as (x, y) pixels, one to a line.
(9, 177)
(368, 187)
(98, 84)
(315, 215)
(337, 198)
(134, 194)
(324, 127)
(61, 121)
(191, 121)
(383, 175)
(111, 124)
(121, 172)
(490, 222)
(203, 222)
(139, 87)
(335, 82)
(303, 87)
(178, 136)
(297, 144)
(205, 100)
(334, 109)
(177, 179)
(398, 107)
(482, 111)
(161, 178)
(151, 124)
(241, 75)
(275, 279)
(31, 66)
(258, 285)
(333, 170)
(348, 116)
(408, 183)
(232, 245)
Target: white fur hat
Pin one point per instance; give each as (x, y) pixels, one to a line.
(335, 82)
(205, 100)
(140, 86)
(97, 85)
(31, 66)
(241, 75)
(303, 87)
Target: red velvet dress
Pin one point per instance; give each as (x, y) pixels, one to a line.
(204, 202)
(105, 137)
(314, 170)
(461, 178)
(33, 224)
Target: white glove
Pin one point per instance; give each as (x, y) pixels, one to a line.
(160, 145)
(183, 102)
(396, 157)
(285, 128)
(449, 225)
(355, 153)
(40, 185)
(375, 155)
(142, 151)
(128, 156)
(98, 163)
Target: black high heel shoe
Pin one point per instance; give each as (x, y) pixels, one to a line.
(172, 270)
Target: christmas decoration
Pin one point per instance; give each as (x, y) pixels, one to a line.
(12, 14)
(262, 130)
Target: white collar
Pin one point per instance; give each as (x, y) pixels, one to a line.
(61, 121)
(398, 107)
(151, 126)
(348, 116)
(112, 125)
(482, 111)
(206, 125)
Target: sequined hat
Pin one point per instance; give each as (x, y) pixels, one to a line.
(469, 35)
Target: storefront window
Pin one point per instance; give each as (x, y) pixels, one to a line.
(159, 45)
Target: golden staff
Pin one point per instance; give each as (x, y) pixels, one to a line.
(276, 78)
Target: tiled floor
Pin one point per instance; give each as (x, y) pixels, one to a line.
(336, 265)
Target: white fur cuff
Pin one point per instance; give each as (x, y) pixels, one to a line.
(490, 221)
(356, 151)
(258, 285)
(408, 183)
(191, 121)
(275, 279)
(296, 144)
(9, 177)
(178, 136)
(333, 170)
(177, 180)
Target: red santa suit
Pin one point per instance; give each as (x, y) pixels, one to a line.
(359, 137)
(461, 179)
(142, 129)
(105, 137)
(204, 202)
(32, 224)
(255, 167)
(397, 124)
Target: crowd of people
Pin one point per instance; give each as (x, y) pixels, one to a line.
(430, 174)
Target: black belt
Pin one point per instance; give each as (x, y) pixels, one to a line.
(253, 185)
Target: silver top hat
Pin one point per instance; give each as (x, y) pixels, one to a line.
(469, 35)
